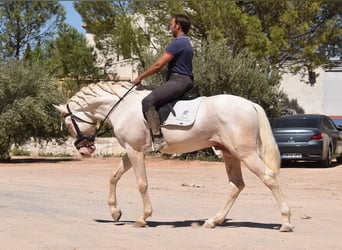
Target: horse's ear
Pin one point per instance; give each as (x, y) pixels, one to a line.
(61, 108)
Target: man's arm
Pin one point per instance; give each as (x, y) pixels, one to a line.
(158, 65)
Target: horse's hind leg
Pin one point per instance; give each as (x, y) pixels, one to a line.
(268, 177)
(233, 168)
(125, 164)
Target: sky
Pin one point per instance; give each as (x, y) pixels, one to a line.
(72, 16)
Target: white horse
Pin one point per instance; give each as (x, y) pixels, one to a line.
(236, 126)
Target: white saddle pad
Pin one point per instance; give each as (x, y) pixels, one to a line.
(186, 112)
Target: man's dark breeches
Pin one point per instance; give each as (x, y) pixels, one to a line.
(175, 87)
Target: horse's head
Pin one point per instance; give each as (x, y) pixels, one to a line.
(82, 126)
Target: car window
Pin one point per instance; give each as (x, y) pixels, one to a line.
(296, 122)
(328, 124)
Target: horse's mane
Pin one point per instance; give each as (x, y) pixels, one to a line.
(95, 90)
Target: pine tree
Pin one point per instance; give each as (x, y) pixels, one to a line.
(27, 23)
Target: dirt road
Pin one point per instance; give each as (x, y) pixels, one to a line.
(63, 205)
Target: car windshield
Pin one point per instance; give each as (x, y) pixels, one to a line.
(302, 122)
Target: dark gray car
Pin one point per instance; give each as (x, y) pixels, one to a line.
(308, 137)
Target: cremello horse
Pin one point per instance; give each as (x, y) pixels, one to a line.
(232, 124)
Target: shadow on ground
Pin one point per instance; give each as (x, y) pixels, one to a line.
(191, 223)
(39, 160)
(304, 164)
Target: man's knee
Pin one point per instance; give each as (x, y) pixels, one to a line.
(147, 102)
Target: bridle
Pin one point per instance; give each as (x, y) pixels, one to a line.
(81, 139)
(88, 140)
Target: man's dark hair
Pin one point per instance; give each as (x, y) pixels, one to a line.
(183, 21)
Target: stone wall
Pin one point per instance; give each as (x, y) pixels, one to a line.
(104, 147)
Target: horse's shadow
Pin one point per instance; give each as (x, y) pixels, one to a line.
(191, 223)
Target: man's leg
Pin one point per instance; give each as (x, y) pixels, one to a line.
(153, 121)
(175, 87)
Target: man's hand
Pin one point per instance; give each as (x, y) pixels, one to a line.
(137, 81)
(158, 65)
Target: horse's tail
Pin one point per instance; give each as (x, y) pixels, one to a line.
(268, 147)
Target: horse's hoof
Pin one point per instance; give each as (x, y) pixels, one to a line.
(116, 214)
(287, 227)
(139, 223)
(209, 224)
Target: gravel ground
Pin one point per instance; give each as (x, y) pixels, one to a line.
(62, 204)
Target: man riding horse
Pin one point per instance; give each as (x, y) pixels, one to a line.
(178, 56)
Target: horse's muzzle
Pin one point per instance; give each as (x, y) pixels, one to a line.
(85, 146)
(87, 151)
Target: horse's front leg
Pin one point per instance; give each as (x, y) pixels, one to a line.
(125, 164)
(138, 163)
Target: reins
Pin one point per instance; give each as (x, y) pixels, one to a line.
(110, 111)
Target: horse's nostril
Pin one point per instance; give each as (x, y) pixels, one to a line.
(81, 153)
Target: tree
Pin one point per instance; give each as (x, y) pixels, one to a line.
(267, 34)
(27, 23)
(67, 57)
(305, 33)
(70, 55)
(299, 33)
(111, 23)
(27, 94)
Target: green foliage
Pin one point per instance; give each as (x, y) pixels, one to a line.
(304, 33)
(111, 22)
(69, 87)
(19, 152)
(27, 23)
(218, 70)
(69, 55)
(50, 154)
(26, 110)
(206, 154)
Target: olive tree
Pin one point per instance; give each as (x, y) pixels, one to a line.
(27, 94)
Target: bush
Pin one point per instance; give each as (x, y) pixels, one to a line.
(19, 152)
(218, 70)
(27, 94)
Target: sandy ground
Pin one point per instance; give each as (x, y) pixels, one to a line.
(63, 205)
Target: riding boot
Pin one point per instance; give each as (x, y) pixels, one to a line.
(153, 121)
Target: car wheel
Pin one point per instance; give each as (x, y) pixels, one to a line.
(328, 161)
(339, 159)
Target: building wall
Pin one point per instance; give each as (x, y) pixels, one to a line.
(322, 97)
(333, 92)
(113, 65)
(104, 147)
(308, 96)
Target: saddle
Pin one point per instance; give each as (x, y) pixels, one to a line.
(172, 114)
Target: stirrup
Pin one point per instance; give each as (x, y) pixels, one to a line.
(158, 143)
(157, 146)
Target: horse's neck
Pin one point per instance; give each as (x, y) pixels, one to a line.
(129, 104)
(96, 106)
(103, 100)
(129, 111)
